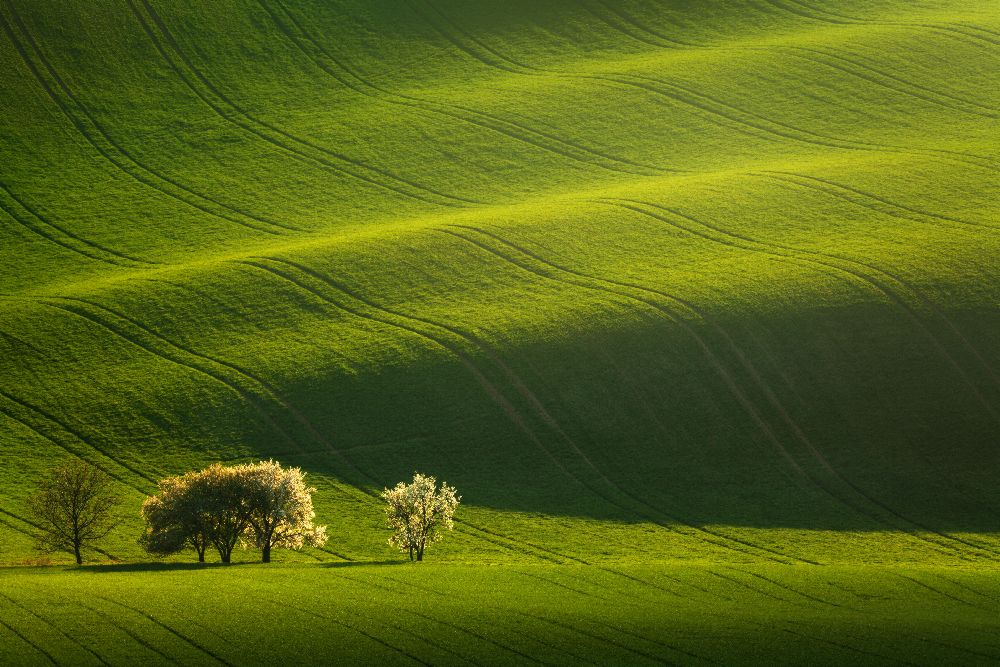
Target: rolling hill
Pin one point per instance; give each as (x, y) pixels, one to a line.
(649, 281)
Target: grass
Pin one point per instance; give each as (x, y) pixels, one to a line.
(664, 287)
(633, 613)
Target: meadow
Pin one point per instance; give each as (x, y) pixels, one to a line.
(696, 303)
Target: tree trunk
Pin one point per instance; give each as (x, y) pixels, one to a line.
(76, 552)
(265, 556)
(411, 552)
(201, 555)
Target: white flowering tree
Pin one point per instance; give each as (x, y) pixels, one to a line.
(281, 510)
(260, 504)
(418, 512)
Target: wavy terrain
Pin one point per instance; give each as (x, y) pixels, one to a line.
(648, 281)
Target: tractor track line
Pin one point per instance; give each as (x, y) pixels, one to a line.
(745, 362)
(146, 175)
(90, 249)
(184, 638)
(56, 628)
(174, 354)
(564, 148)
(625, 80)
(253, 125)
(672, 317)
(511, 411)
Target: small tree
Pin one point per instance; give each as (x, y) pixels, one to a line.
(418, 512)
(175, 519)
(74, 508)
(281, 509)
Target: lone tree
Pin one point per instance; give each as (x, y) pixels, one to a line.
(418, 512)
(74, 507)
(281, 509)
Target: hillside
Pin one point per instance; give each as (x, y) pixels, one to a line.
(658, 280)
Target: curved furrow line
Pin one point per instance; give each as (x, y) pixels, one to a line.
(184, 638)
(867, 73)
(884, 282)
(883, 659)
(126, 329)
(907, 286)
(233, 113)
(674, 318)
(616, 22)
(941, 593)
(38, 647)
(36, 419)
(55, 627)
(390, 318)
(433, 619)
(97, 137)
(13, 526)
(134, 636)
(964, 587)
(833, 187)
(590, 635)
(957, 28)
(446, 338)
(520, 545)
(717, 115)
(778, 584)
(510, 64)
(825, 16)
(791, 253)
(716, 107)
(630, 20)
(63, 237)
(921, 92)
(351, 79)
(348, 626)
(746, 586)
(773, 400)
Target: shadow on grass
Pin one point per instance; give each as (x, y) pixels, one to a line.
(186, 567)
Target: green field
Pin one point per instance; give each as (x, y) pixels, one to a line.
(697, 303)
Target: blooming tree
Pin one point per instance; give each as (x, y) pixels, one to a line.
(281, 509)
(418, 512)
(255, 503)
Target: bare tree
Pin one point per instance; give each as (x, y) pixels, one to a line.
(74, 506)
(418, 512)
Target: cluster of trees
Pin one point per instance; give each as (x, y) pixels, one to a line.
(260, 505)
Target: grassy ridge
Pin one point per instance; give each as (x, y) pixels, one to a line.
(660, 282)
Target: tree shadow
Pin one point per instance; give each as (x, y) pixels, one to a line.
(154, 567)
